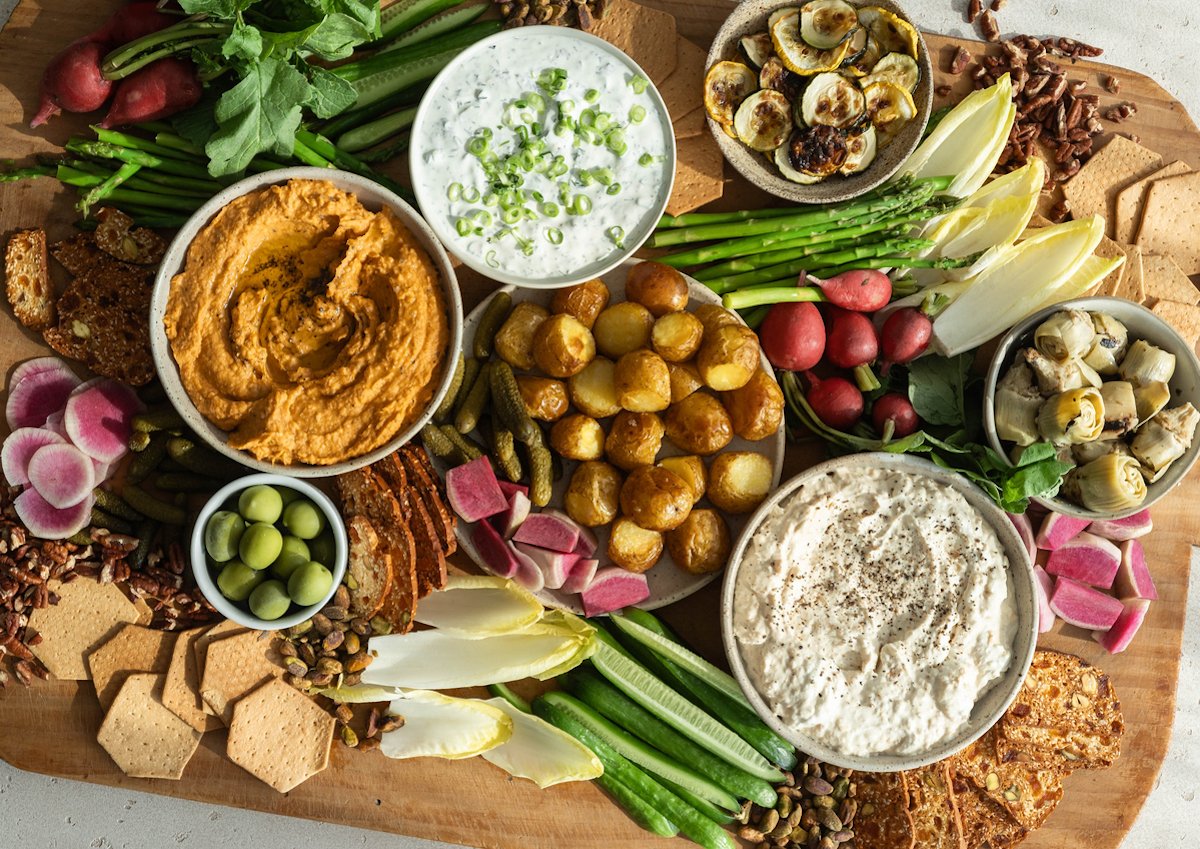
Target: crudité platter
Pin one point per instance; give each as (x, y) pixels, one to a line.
(51, 726)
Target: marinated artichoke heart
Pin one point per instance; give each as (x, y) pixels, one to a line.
(1144, 363)
(1120, 409)
(1066, 335)
(775, 77)
(1086, 452)
(1016, 406)
(833, 100)
(1111, 483)
(860, 150)
(818, 151)
(726, 85)
(826, 23)
(898, 68)
(758, 48)
(1054, 376)
(1074, 416)
(1108, 345)
(1150, 398)
(1165, 439)
(764, 120)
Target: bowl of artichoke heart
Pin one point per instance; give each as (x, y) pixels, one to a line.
(1113, 388)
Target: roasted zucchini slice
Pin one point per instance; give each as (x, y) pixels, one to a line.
(758, 48)
(764, 120)
(832, 99)
(726, 85)
(867, 58)
(779, 14)
(890, 107)
(860, 151)
(801, 58)
(858, 46)
(826, 23)
(818, 151)
(774, 76)
(783, 161)
(894, 34)
(898, 68)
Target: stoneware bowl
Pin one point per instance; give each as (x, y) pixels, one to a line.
(990, 705)
(750, 17)
(374, 197)
(1142, 324)
(237, 611)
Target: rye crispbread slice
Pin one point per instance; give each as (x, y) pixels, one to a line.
(27, 279)
(430, 563)
(1029, 793)
(421, 474)
(883, 820)
(932, 807)
(368, 565)
(118, 238)
(985, 824)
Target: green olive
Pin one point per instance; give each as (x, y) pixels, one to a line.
(269, 600)
(288, 494)
(310, 583)
(260, 503)
(222, 534)
(294, 554)
(237, 580)
(322, 548)
(260, 545)
(303, 519)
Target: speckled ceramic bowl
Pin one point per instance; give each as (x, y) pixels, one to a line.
(750, 17)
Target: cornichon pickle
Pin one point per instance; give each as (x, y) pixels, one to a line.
(509, 406)
(471, 367)
(153, 508)
(442, 414)
(106, 520)
(201, 460)
(145, 534)
(112, 503)
(493, 316)
(148, 459)
(184, 482)
(165, 418)
(139, 440)
(541, 475)
(436, 442)
(505, 450)
(466, 448)
(467, 417)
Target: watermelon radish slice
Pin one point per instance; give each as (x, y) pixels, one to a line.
(1133, 578)
(613, 588)
(1118, 530)
(48, 522)
(549, 532)
(34, 366)
(528, 574)
(587, 544)
(580, 577)
(1025, 531)
(1080, 605)
(1057, 530)
(1117, 638)
(517, 512)
(38, 394)
(555, 566)
(498, 557)
(62, 475)
(98, 418)
(1044, 587)
(20, 445)
(54, 422)
(1087, 558)
(474, 492)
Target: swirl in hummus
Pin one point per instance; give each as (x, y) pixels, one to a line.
(307, 326)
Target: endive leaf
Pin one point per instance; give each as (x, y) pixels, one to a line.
(540, 752)
(1090, 272)
(437, 726)
(478, 606)
(360, 694)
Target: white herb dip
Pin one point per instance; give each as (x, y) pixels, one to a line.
(478, 92)
(872, 609)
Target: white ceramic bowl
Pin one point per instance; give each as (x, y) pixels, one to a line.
(208, 583)
(990, 706)
(523, 42)
(374, 197)
(1142, 324)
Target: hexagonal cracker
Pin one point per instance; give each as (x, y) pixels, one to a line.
(132, 649)
(86, 615)
(233, 667)
(144, 738)
(280, 736)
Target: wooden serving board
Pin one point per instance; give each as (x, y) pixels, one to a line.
(51, 726)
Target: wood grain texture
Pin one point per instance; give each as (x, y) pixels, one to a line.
(51, 727)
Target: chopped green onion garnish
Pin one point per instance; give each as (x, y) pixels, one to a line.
(637, 113)
(463, 227)
(491, 199)
(614, 189)
(470, 194)
(491, 260)
(638, 83)
(591, 95)
(603, 121)
(645, 159)
(550, 209)
(580, 205)
(481, 217)
(477, 146)
(511, 215)
(617, 234)
(554, 236)
(454, 192)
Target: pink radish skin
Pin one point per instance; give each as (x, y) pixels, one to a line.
(549, 532)
(612, 588)
(1086, 558)
(517, 512)
(62, 475)
(1118, 530)
(836, 401)
(474, 492)
(852, 340)
(555, 566)
(1083, 606)
(38, 395)
(861, 290)
(1057, 530)
(48, 522)
(1024, 527)
(793, 336)
(131, 22)
(905, 336)
(897, 409)
(73, 82)
(157, 91)
(498, 558)
(1133, 577)
(19, 447)
(98, 418)
(1044, 587)
(509, 488)
(528, 574)
(581, 575)
(1117, 638)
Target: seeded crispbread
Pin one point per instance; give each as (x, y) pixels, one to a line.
(1094, 190)
(233, 667)
(985, 824)
(699, 174)
(883, 820)
(1029, 793)
(1133, 197)
(932, 807)
(1171, 220)
(27, 279)
(181, 686)
(421, 476)
(640, 32)
(130, 650)
(431, 558)
(368, 566)
(280, 736)
(87, 614)
(1165, 280)
(117, 237)
(144, 738)
(1066, 714)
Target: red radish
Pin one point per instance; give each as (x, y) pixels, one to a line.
(1057, 530)
(905, 336)
(474, 492)
(1043, 586)
(555, 566)
(61, 474)
(1137, 525)
(1024, 527)
(861, 290)
(98, 418)
(895, 408)
(156, 91)
(517, 512)
(508, 488)
(836, 401)
(1087, 558)
(793, 336)
(1133, 578)
(38, 395)
(131, 22)
(1118, 637)
(548, 532)
(581, 575)
(497, 557)
(45, 521)
(528, 574)
(852, 340)
(73, 81)
(1083, 606)
(613, 588)
(19, 447)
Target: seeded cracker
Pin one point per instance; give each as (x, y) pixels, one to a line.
(144, 738)
(1029, 794)
(883, 820)
(984, 823)
(132, 649)
(181, 688)
(1171, 221)
(280, 736)
(931, 804)
(699, 174)
(1132, 198)
(86, 615)
(235, 666)
(641, 33)
(1166, 281)
(1094, 190)
(27, 279)
(682, 90)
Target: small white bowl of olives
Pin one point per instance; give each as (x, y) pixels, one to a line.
(268, 551)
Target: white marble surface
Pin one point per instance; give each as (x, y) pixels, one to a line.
(1156, 37)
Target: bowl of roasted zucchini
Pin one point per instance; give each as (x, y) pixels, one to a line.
(1113, 388)
(819, 101)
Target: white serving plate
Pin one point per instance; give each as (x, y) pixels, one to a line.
(668, 583)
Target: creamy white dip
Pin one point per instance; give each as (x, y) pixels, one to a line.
(872, 610)
(488, 94)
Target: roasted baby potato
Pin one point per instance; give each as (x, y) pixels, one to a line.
(633, 439)
(514, 339)
(659, 288)
(676, 336)
(699, 424)
(545, 399)
(713, 316)
(593, 494)
(755, 409)
(691, 469)
(594, 390)
(633, 548)
(656, 498)
(685, 379)
(728, 357)
(643, 382)
(623, 328)
(578, 437)
(738, 481)
(700, 545)
(584, 300)
(562, 346)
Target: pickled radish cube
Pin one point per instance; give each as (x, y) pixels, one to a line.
(46, 521)
(498, 558)
(612, 588)
(61, 474)
(1086, 558)
(1118, 530)
(474, 492)
(550, 532)
(19, 446)
(527, 574)
(509, 488)
(581, 575)
(555, 566)
(1044, 586)
(519, 507)
(587, 544)
(1057, 530)
(1118, 637)
(1025, 531)
(1083, 606)
(98, 418)
(36, 392)
(1133, 577)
